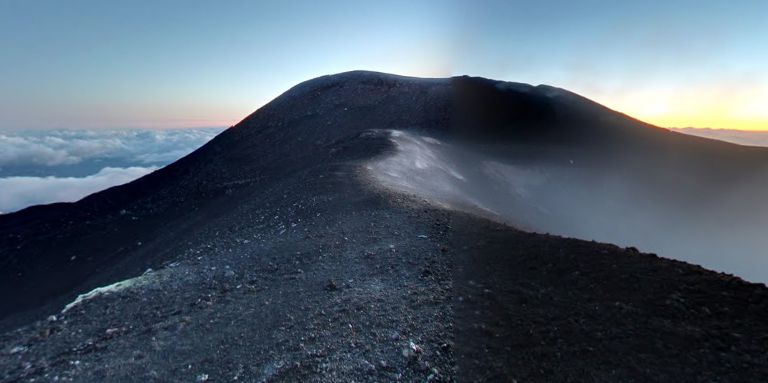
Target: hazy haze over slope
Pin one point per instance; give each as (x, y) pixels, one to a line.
(575, 197)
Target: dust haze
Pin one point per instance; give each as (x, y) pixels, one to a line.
(552, 190)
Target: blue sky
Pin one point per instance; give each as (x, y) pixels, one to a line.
(119, 64)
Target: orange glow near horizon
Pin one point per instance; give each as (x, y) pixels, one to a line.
(728, 106)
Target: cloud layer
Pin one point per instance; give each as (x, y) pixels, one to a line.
(48, 166)
(19, 192)
(53, 151)
(741, 137)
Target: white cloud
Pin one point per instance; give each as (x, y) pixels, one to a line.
(15, 150)
(45, 166)
(19, 192)
(69, 147)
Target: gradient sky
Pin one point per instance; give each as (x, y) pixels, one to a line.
(115, 64)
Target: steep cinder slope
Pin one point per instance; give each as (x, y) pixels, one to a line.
(275, 257)
(50, 253)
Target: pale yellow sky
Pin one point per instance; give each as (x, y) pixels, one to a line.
(718, 106)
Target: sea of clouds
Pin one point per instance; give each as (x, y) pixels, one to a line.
(741, 137)
(45, 166)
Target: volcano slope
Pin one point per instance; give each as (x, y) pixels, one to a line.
(326, 238)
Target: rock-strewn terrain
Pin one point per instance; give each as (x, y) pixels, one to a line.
(271, 255)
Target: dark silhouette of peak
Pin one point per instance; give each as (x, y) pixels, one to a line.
(367, 226)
